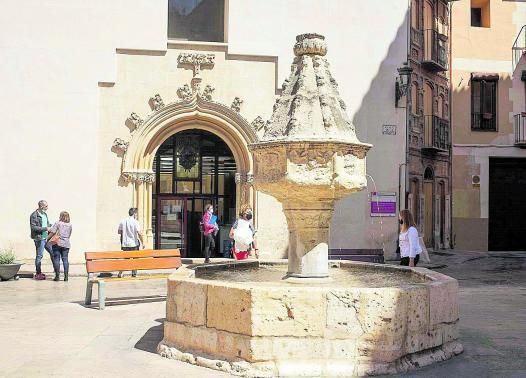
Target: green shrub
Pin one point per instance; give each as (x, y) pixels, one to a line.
(7, 256)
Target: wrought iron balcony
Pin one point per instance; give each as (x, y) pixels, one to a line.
(436, 134)
(520, 129)
(435, 51)
(519, 48)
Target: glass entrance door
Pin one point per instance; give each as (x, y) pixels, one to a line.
(192, 169)
(171, 224)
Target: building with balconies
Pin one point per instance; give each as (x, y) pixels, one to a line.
(428, 150)
(488, 106)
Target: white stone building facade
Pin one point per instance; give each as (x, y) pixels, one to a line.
(91, 90)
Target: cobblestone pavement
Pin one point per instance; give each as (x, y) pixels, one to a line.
(45, 330)
(492, 314)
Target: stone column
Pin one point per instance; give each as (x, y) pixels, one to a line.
(308, 237)
(244, 182)
(142, 200)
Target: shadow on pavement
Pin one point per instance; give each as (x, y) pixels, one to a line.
(152, 337)
(124, 301)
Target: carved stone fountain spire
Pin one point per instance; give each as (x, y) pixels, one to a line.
(310, 106)
(309, 156)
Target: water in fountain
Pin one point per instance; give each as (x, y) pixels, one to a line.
(345, 276)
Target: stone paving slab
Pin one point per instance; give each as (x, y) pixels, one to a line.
(47, 332)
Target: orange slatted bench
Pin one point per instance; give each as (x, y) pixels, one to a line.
(147, 259)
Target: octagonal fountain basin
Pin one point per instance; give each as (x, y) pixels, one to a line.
(368, 319)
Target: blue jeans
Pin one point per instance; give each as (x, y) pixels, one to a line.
(40, 245)
(60, 253)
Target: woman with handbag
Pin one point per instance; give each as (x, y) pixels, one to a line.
(409, 246)
(209, 221)
(59, 240)
(244, 235)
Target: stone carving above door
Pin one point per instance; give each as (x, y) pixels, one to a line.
(197, 61)
(157, 102)
(185, 93)
(207, 92)
(258, 124)
(146, 177)
(120, 145)
(236, 104)
(135, 120)
(191, 97)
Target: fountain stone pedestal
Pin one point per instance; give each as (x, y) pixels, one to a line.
(242, 318)
(307, 177)
(309, 156)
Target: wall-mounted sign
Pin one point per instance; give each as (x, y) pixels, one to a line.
(388, 129)
(383, 204)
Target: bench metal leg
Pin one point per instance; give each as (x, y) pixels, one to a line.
(89, 289)
(102, 295)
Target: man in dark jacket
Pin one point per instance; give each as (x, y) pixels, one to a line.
(40, 226)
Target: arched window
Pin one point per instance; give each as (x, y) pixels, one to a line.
(428, 114)
(428, 99)
(440, 106)
(429, 26)
(428, 174)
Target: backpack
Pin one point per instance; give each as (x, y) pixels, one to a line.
(243, 235)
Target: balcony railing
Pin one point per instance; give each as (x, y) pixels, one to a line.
(436, 133)
(520, 129)
(483, 122)
(519, 48)
(435, 51)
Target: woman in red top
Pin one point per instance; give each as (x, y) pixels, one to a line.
(210, 229)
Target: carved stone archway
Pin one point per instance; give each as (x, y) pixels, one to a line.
(196, 112)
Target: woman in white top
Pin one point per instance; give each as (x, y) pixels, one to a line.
(409, 246)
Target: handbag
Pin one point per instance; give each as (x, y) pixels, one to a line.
(53, 240)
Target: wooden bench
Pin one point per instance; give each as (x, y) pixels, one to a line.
(103, 262)
(367, 255)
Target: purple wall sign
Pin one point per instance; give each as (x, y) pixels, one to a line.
(383, 204)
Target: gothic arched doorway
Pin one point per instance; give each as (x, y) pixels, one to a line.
(198, 116)
(192, 168)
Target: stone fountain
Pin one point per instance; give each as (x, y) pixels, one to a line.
(309, 156)
(347, 318)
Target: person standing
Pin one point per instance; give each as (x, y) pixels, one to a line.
(63, 229)
(131, 235)
(409, 246)
(210, 230)
(244, 234)
(40, 226)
